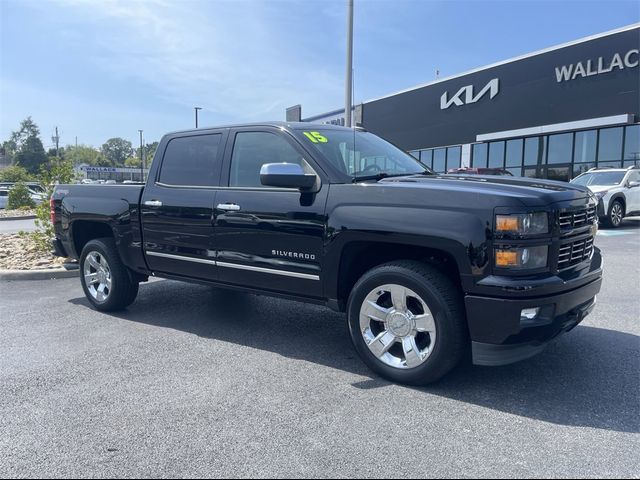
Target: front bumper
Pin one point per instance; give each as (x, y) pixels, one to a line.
(499, 336)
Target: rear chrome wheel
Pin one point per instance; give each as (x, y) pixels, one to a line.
(397, 326)
(106, 281)
(97, 276)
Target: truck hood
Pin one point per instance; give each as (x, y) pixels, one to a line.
(528, 191)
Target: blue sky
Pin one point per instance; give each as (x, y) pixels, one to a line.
(108, 68)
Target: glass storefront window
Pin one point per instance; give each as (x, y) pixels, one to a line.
(560, 147)
(515, 171)
(610, 145)
(496, 155)
(426, 157)
(610, 164)
(585, 146)
(535, 150)
(514, 153)
(453, 157)
(579, 168)
(532, 172)
(480, 155)
(439, 157)
(559, 173)
(632, 143)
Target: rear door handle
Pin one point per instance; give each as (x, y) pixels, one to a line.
(228, 207)
(153, 203)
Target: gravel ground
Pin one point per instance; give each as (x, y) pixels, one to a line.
(18, 252)
(194, 381)
(16, 213)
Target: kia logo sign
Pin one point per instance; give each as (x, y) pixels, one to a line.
(465, 95)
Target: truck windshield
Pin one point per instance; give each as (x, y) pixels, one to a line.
(361, 154)
(599, 178)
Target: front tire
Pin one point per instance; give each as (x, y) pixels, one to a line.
(407, 322)
(616, 214)
(106, 281)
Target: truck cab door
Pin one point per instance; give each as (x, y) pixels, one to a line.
(177, 206)
(268, 238)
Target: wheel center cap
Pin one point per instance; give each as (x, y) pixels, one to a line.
(399, 324)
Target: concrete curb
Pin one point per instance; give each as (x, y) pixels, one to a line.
(28, 217)
(47, 274)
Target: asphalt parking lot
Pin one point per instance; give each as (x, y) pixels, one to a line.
(194, 381)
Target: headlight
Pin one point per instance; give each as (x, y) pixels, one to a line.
(522, 258)
(599, 195)
(523, 224)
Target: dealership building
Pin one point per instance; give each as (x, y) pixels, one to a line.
(553, 113)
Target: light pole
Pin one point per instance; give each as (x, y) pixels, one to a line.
(348, 78)
(141, 164)
(196, 109)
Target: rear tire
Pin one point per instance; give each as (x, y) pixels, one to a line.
(106, 281)
(416, 341)
(616, 214)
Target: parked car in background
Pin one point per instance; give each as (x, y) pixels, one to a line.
(617, 191)
(36, 191)
(480, 171)
(4, 197)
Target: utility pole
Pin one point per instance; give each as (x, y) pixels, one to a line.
(196, 109)
(348, 92)
(141, 164)
(56, 140)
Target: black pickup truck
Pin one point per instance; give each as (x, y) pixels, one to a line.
(427, 267)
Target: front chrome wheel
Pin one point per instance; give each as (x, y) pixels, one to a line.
(97, 276)
(397, 326)
(616, 214)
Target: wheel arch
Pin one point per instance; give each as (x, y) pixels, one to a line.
(359, 256)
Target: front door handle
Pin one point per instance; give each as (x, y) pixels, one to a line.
(153, 203)
(228, 207)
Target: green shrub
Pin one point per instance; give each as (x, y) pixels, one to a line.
(19, 197)
(14, 174)
(57, 172)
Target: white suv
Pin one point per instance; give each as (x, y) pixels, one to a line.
(617, 190)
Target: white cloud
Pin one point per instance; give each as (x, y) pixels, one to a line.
(238, 60)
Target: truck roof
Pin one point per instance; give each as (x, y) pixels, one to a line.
(276, 124)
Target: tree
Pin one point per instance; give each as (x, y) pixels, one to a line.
(28, 129)
(14, 174)
(81, 154)
(22, 139)
(151, 151)
(31, 155)
(132, 162)
(117, 150)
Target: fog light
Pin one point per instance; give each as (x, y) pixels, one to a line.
(529, 313)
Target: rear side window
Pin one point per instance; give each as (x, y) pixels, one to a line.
(191, 161)
(252, 150)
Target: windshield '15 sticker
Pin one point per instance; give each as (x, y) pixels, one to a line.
(316, 137)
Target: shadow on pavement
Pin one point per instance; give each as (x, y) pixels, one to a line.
(587, 378)
(629, 223)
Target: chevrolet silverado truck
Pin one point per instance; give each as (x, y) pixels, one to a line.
(429, 269)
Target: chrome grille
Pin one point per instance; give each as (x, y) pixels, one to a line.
(577, 218)
(574, 253)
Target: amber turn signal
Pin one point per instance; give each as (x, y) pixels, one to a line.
(506, 258)
(506, 223)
